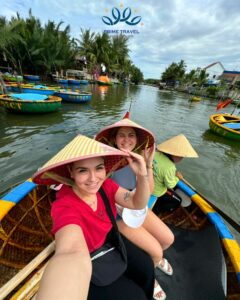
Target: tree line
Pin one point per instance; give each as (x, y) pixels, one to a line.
(32, 48)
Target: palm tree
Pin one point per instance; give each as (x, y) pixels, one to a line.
(9, 36)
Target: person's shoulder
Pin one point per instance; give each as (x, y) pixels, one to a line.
(110, 186)
(159, 155)
(109, 182)
(65, 193)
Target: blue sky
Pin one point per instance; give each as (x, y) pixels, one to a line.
(198, 31)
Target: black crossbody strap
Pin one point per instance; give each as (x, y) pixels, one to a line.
(108, 208)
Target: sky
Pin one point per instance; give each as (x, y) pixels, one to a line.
(199, 32)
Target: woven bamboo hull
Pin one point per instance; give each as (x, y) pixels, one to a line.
(74, 97)
(28, 106)
(25, 233)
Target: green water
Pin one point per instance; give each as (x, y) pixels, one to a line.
(28, 141)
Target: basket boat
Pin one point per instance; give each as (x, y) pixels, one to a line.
(26, 245)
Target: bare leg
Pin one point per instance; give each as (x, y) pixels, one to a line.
(143, 239)
(160, 231)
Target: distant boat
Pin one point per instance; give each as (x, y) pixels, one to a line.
(104, 80)
(225, 125)
(62, 80)
(83, 81)
(30, 103)
(38, 89)
(73, 97)
(195, 98)
(74, 81)
(32, 77)
(12, 78)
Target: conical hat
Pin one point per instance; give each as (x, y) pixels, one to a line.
(81, 147)
(107, 135)
(178, 146)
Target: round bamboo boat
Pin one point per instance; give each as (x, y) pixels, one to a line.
(26, 244)
(49, 104)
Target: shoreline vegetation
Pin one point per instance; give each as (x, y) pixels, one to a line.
(28, 47)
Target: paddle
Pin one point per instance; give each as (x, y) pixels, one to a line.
(234, 224)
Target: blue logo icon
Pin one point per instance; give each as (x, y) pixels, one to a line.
(116, 17)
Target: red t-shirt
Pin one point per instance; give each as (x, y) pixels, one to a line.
(70, 209)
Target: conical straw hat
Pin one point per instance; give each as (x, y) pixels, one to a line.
(178, 146)
(107, 135)
(81, 147)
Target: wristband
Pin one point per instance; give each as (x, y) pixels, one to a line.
(149, 167)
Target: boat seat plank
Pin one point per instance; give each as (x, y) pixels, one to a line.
(232, 125)
(197, 261)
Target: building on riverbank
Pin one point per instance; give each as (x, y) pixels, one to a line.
(231, 77)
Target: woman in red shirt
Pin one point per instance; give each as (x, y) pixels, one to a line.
(81, 223)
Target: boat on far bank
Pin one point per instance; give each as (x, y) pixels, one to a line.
(31, 77)
(225, 125)
(12, 78)
(104, 80)
(62, 80)
(73, 96)
(30, 103)
(34, 89)
(195, 98)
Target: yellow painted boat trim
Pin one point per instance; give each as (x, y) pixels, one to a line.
(5, 206)
(205, 207)
(233, 250)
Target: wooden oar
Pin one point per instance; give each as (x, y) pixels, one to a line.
(234, 224)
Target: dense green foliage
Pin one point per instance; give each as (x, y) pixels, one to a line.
(174, 72)
(177, 72)
(30, 47)
(151, 81)
(136, 75)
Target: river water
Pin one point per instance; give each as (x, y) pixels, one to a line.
(28, 141)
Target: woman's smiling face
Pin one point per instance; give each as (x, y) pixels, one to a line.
(126, 138)
(88, 174)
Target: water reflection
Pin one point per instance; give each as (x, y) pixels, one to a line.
(103, 89)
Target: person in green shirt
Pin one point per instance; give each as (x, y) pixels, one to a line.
(166, 176)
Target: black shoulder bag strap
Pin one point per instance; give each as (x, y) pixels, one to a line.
(108, 208)
(121, 244)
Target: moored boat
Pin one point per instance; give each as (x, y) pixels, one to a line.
(31, 77)
(104, 80)
(26, 244)
(30, 103)
(84, 81)
(225, 125)
(74, 81)
(195, 98)
(62, 80)
(12, 78)
(73, 97)
(38, 89)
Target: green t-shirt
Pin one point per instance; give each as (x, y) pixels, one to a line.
(164, 172)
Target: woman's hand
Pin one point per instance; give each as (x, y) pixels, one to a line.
(148, 154)
(136, 163)
(179, 175)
